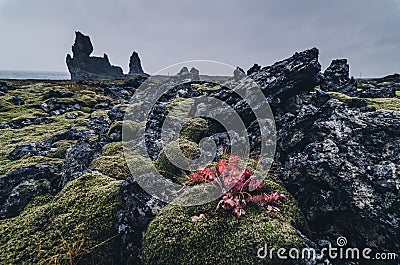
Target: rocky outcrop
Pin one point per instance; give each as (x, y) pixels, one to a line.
(253, 69)
(384, 87)
(185, 75)
(135, 66)
(20, 186)
(377, 91)
(336, 78)
(340, 163)
(82, 66)
(238, 73)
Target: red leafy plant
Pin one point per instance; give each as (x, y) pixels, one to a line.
(240, 187)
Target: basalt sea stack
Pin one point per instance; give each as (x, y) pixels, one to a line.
(82, 66)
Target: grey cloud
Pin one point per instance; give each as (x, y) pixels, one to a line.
(38, 34)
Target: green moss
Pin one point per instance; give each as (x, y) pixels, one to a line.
(33, 133)
(206, 87)
(77, 221)
(384, 103)
(378, 103)
(342, 97)
(219, 237)
(169, 170)
(8, 166)
(99, 113)
(131, 129)
(114, 164)
(180, 107)
(194, 129)
(61, 148)
(33, 93)
(398, 93)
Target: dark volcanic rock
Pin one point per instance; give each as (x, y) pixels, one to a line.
(395, 78)
(42, 148)
(16, 100)
(78, 159)
(5, 86)
(20, 123)
(238, 74)
(54, 106)
(31, 149)
(116, 114)
(253, 69)
(385, 90)
(195, 74)
(58, 94)
(21, 185)
(284, 80)
(341, 164)
(135, 66)
(184, 74)
(131, 223)
(99, 124)
(336, 78)
(82, 67)
(135, 82)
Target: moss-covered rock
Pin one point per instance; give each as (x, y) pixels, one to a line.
(219, 237)
(60, 148)
(194, 130)
(75, 225)
(188, 148)
(114, 164)
(131, 129)
(179, 108)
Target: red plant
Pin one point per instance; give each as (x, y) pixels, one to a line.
(243, 186)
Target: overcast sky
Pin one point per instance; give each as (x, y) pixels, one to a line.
(37, 34)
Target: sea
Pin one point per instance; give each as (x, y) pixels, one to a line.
(39, 75)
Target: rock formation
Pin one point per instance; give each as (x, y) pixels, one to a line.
(135, 66)
(238, 74)
(82, 66)
(336, 78)
(185, 74)
(253, 69)
(195, 74)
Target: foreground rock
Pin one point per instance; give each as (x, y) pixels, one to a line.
(75, 224)
(340, 164)
(82, 66)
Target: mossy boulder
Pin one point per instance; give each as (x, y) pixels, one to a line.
(219, 237)
(194, 130)
(114, 164)
(163, 164)
(131, 129)
(76, 225)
